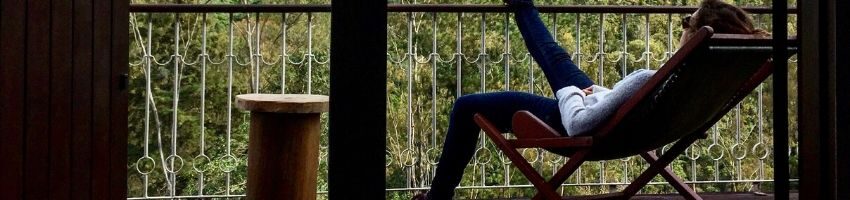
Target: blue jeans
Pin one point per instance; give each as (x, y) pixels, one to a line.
(499, 107)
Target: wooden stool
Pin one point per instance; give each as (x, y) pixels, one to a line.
(283, 146)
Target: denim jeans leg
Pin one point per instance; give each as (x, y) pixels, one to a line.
(462, 136)
(555, 62)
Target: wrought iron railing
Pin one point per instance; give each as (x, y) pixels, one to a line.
(194, 147)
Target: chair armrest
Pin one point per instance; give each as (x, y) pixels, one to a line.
(527, 126)
(561, 142)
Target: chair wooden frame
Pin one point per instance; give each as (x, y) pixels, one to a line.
(546, 189)
(532, 132)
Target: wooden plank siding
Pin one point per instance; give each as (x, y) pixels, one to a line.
(60, 99)
(62, 115)
(119, 114)
(100, 120)
(82, 99)
(37, 102)
(12, 98)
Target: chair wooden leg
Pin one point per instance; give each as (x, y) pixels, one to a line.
(686, 191)
(568, 169)
(661, 165)
(516, 158)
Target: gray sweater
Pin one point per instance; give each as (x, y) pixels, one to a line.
(582, 113)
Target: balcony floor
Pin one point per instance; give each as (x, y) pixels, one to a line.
(706, 196)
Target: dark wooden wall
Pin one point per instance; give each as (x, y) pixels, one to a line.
(824, 100)
(843, 91)
(63, 113)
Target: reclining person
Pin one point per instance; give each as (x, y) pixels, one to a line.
(579, 106)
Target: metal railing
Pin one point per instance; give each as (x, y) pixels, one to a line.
(207, 54)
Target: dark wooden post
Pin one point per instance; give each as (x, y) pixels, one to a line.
(842, 66)
(780, 99)
(283, 144)
(823, 93)
(358, 100)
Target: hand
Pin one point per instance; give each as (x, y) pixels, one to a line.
(587, 91)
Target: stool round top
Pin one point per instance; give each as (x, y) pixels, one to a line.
(283, 103)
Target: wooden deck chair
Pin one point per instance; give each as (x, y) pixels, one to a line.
(705, 79)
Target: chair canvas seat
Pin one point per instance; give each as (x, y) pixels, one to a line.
(707, 77)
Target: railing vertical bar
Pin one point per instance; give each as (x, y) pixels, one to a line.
(506, 56)
(252, 53)
(716, 159)
(554, 18)
(670, 50)
(146, 183)
(693, 159)
(760, 114)
(203, 100)
(434, 61)
(625, 56)
(555, 36)
(530, 73)
(482, 59)
(647, 52)
(434, 57)
(230, 59)
(738, 143)
(761, 131)
(482, 56)
(310, 55)
(601, 73)
(148, 97)
(459, 54)
(284, 60)
(531, 77)
(176, 99)
(258, 56)
(577, 55)
(601, 55)
(411, 60)
(578, 61)
(625, 52)
(249, 40)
